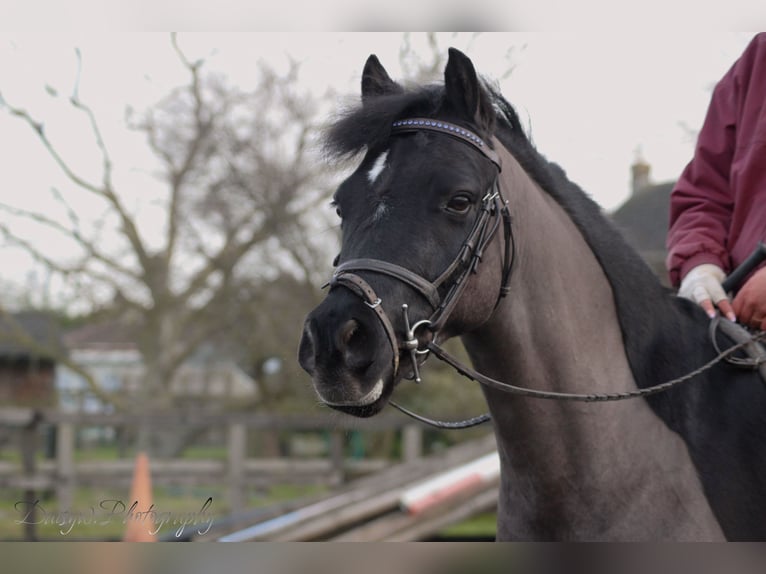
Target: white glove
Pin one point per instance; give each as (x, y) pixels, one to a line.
(703, 283)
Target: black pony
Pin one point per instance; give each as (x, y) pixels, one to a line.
(455, 214)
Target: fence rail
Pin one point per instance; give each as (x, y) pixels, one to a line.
(236, 471)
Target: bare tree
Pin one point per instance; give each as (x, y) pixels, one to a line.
(241, 186)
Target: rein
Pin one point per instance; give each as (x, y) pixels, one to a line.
(475, 376)
(493, 211)
(467, 372)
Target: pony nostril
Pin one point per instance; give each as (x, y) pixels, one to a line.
(306, 351)
(353, 342)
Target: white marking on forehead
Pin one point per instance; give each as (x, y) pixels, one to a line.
(377, 167)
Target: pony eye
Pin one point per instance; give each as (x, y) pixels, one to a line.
(460, 204)
(337, 208)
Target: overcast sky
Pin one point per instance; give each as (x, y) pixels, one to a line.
(590, 100)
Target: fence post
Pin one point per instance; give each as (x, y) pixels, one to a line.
(412, 443)
(29, 466)
(337, 457)
(237, 451)
(65, 474)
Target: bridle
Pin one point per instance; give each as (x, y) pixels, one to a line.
(493, 212)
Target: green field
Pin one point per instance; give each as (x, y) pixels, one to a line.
(480, 526)
(96, 514)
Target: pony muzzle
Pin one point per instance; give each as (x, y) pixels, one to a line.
(370, 398)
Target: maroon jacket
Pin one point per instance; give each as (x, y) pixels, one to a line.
(718, 206)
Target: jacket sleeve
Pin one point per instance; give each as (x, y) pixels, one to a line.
(701, 201)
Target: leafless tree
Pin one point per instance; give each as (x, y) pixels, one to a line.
(242, 187)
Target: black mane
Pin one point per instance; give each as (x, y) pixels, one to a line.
(645, 308)
(655, 324)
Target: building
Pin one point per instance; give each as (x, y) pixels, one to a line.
(109, 353)
(29, 346)
(643, 219)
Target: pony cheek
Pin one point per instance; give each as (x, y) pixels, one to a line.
(479, 301)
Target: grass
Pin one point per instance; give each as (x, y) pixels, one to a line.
(95, 453)
(92, 517)
(479, 526)
(96, 514)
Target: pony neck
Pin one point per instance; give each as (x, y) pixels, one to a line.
(559, 330)
(560, 316)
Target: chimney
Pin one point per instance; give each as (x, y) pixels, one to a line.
(640, 171)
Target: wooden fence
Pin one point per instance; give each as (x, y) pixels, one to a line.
(237, 472)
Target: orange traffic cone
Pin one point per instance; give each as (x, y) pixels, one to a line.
(140, 525)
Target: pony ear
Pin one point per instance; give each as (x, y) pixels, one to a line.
(376, 81)
(464, 93)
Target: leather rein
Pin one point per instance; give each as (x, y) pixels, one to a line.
(493, 213)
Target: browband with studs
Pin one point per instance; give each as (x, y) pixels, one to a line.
(440, 126)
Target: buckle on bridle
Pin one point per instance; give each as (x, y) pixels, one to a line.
(491, 195)
(411, 343)
(374, 304)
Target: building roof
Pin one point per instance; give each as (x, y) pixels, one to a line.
(29, 334)
(106, 335)
(643, 218)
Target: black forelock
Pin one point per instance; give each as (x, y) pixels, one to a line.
(368, 126)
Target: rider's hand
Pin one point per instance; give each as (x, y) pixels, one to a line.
(703, 286)
(750, 302)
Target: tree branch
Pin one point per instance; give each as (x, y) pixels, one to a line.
(75, 100)
(106, 192)
(224, 261)
(203, 127)
(38, 128)
(75, 234)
